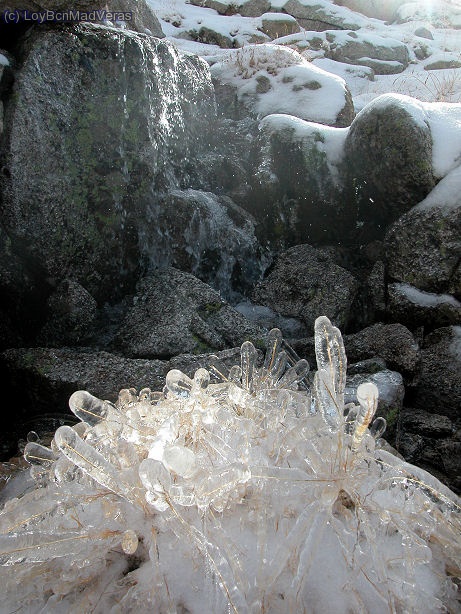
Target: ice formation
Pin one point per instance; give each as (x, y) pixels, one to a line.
(235, 491)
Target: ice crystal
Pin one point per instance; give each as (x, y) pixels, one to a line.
(238, 490)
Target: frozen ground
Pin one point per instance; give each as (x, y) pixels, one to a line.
(182, 21)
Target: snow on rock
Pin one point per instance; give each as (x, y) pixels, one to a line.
(418, 308)
(278, 24)
(357, 48)
(272, 79)
(326, 140)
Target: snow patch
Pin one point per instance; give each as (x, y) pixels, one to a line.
(425, 299)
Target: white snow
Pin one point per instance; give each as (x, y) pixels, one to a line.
(446, 194)
(274, 79)
(425, 299)
(4, 60)
(445, 123)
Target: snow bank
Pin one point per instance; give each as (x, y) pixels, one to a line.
(273, 79)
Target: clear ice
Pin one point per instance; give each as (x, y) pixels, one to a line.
(251, 489)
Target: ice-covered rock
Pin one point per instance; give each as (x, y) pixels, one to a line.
(236, 489)
(98, 119)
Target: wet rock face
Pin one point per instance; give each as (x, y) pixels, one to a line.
(97, 121)
(207, 235)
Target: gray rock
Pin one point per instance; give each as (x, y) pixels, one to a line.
(254, 8)
(48, 377)
(357, 48)
(175, 313)
(306, 283)
(72, 312)
(84, 148)
(423, 248)
(382, 67)
(143, 18)
(389, 162)
(417, 308)
(423, 32)
(376, 289)
(419, 421)
(276, 25)
(392, 342)
(373, 8)
(439, 388)
(206, 235)
(312, 16)
(223, 7)
(208, 35)
(443, 64)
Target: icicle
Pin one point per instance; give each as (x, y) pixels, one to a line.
(367, 396)
(93, 463)
(331, 359)
(179, 384)
(36, 454)
(248, 364)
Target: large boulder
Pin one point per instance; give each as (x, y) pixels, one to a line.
(423, 247)
(439, 388)
(322, 15)
(98, 121)
(174, 313)
(306, 283)
(388, 151)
